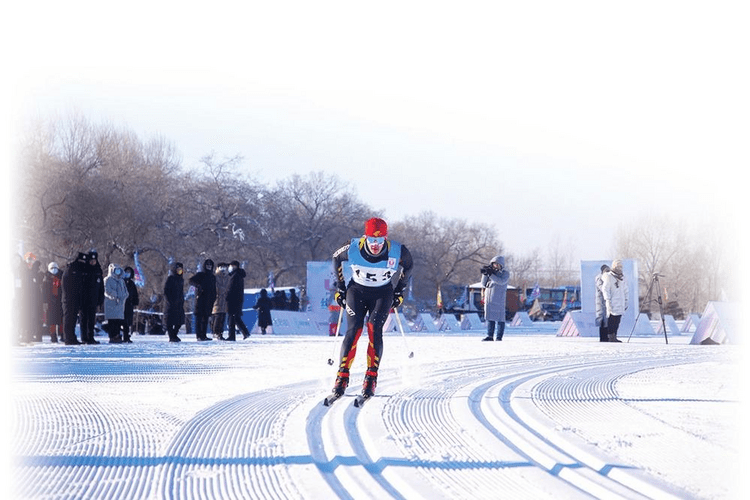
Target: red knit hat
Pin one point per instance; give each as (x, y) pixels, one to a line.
(376, 227)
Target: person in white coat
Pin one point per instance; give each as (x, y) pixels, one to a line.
(615, 294)
(115, 295)
(495, 282)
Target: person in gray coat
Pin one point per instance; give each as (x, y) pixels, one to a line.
(495, 282)
(601, 310)
(115, 295)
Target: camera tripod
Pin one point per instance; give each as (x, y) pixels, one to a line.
(647, 300)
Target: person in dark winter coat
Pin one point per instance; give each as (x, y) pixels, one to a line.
(375, 262)
(495, 282)
(72, 298)
(293, 300)
(130, 304)
(32, 301)
(220, 306)
(205, 296)
(601, 312)
(235, 300)
(174, 302)
(93, 297)
(52, 302)
(264, 305)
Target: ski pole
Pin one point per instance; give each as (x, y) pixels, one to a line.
(338, 327)
(403, 335)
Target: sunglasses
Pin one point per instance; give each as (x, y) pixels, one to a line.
(375, 240)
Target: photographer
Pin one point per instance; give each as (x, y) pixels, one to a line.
(495, 282)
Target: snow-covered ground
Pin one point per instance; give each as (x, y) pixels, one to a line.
(535, 416)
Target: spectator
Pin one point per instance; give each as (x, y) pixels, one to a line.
(72, 298)
(615, 294)
(220, 306)
(495, 282)
(131, 303)
(205, 296)
(31, 323)
(115, 295)
(174, 302)
(235, 300)
(263, 305)
(601, 311)
(52, 302)
(293, 300)
(93, 297)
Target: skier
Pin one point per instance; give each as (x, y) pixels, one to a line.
(235, 300)
(615, 293)
(375, 262)
(205, 296)
(495, 282)
(115, 295)
(174, 302)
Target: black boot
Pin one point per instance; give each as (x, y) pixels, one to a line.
(368, 386)
(500, 330)
(342, 381)
(490, 331)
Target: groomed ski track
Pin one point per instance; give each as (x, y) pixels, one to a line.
(487, 427)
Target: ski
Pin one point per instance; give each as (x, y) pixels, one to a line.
(329, 400)
(360, 400)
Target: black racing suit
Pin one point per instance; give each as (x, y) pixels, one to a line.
(362, 300)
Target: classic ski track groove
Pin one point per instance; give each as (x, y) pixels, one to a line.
(461, 431)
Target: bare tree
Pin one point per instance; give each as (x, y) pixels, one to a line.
(445, 251)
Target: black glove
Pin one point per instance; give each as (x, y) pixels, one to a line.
(341, 297)
(487, 270)
(398, 299)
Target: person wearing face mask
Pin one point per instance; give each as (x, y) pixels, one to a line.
(174, 302)
(376, 263)
(52, 302)
(130, 304)
(115, 295)
(235, 300)
(205, 296)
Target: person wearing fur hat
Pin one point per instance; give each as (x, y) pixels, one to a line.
(380, 272)
(615, 295)
(495, 282)
(115, 295)
(174, 302)
(205, 295)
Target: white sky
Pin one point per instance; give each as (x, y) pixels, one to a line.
(548, 120)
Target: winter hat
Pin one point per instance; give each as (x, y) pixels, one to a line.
(376, 227)
(93, 255)
(53, 267)
(617, 265)
(235, 264)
